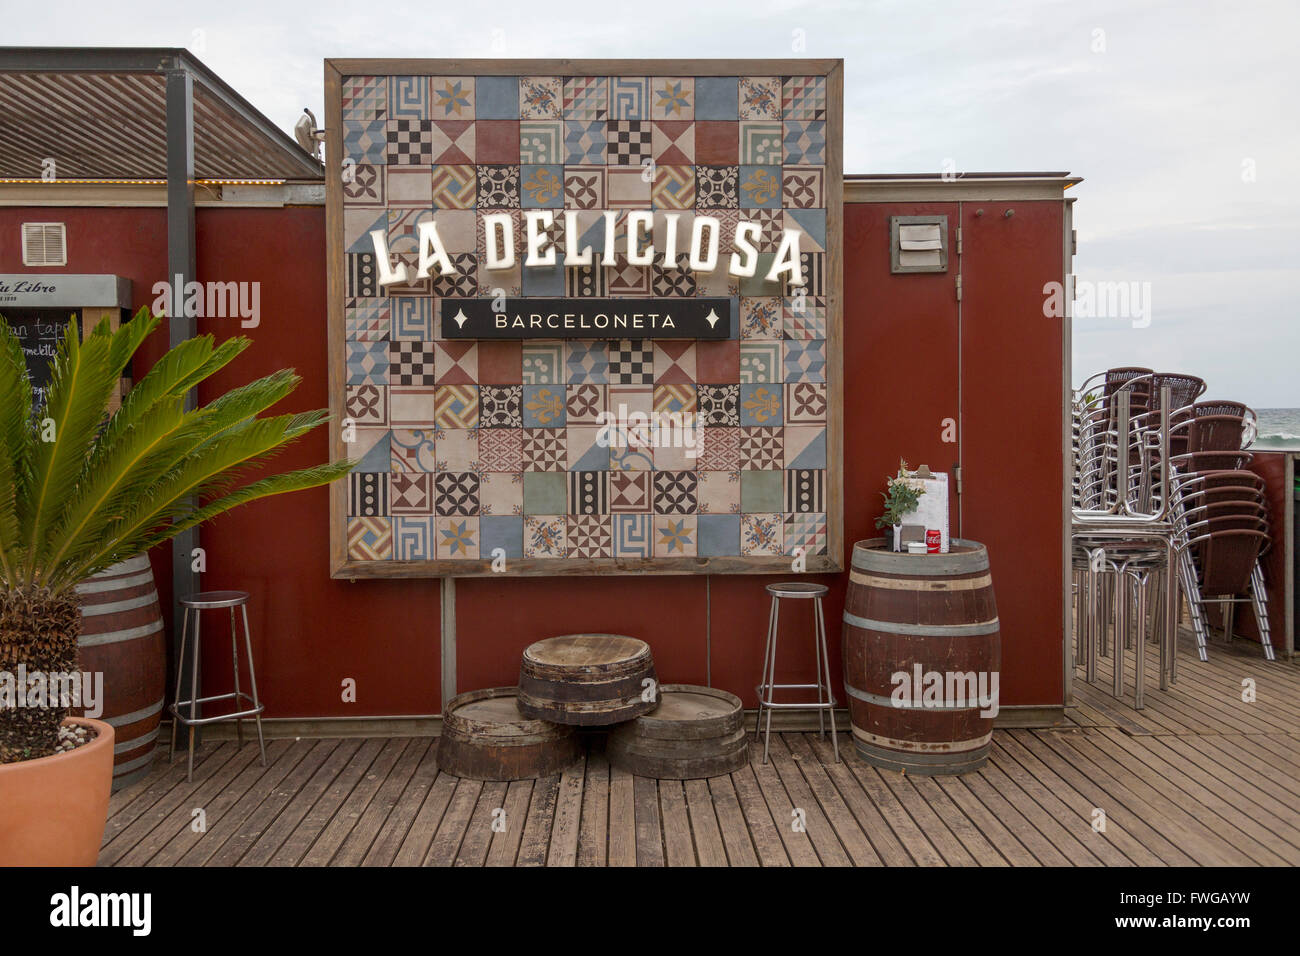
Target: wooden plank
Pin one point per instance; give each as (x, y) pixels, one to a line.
(1010, 838)
(269, 841)
(679, 848)
(536, 838)
(505, 842)
(197, 849)
(852, 838)
(764, 831)
(455, 821)
(732, 827)
(649, 836)
(257, 822)
(296, 844)
(884, 841)
(401, 819)
(156, 787)
(975, 842)
(781, 804)
(563, 850)
(185, 797)
(474, 848)
(331, 837)
(897, 838)
(901, 790)
(415, 846)
(704, 823)
(374, 819)
(593, 830)
(622, 818)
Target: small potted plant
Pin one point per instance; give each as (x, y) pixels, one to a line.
(901, 499)
(79, 492)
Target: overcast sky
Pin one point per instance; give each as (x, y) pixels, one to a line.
(1180, 116)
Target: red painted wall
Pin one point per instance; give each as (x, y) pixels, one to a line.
(901, 364)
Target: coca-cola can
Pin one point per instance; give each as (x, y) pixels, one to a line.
(933, 540)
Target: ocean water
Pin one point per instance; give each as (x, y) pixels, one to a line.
(1279, 428)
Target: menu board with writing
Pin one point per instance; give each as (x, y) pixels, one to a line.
(39, 332)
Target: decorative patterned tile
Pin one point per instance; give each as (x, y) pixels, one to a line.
(411, 493)
(761, 449)
(367, 363)
(544, 536)
(805, 360)
(585, 403)
(760, 145)
(807, 533)
(541, 97)
(500, 407)
(810, 222)
(761, 534)
(412, 363)
(805, 446)
(626, 188)
(675, 399)
(454, 141)
(587, 448)
(360, 279)
(541, 141)
(675, 492)
(814, 272)
(542, 187)
(501, 492)
(586, 361)
(672, 98)
(412, 406)
(760, 361)
(673, 142)
(805, 403)
(673, 188)
(629, 142)
(496, 97)
(803, 317)
(803, 98)
(544, 449)
(452, 98)
(366, 404)
(367, 320)
(370, 539)
(365, 97)
(631, 492)
(804, 143)
(496, 142)
(717, 143)
(463, 283)
(414, 539)
(631, 362)
(457, 406)
(717, 187)
(367, 494)
(719, 492)
(457, 538)
(363, 182)
(586, 98)
(414, 449)
(458, 450)
(588, 493)
(370, 448)
(589, 536)
(584, 186)
(675, 537)
(412, 318)
(803, 187)
(543, 363)
(409, 142)
(543, 406)
(365, 142)
(760, 98)
(406, 186)
(678, 282)
(456, 363)
(805, 490)
(719, 535)
(633, 536)
(760, 187)
(760, 318)
(454, 187)
(719, 406)
(455, 493)
(629, 97)
(500, 362)
(674, 362)
(584, 142)
(498, 187)
(761, 404)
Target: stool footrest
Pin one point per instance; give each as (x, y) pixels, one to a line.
(253, 711)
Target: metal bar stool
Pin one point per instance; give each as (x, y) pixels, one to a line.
(198, 603)
(768, 687)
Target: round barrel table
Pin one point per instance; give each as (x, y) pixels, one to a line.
(588, 680)
(695, 732)
(921, 657)
(485, 737)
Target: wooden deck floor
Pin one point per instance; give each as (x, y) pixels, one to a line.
(1198, 777)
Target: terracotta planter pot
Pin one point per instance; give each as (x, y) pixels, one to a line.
(54, 809)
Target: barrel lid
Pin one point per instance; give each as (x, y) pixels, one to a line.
(688, 711)
(492, 711)
(586, 650)
(963, 557)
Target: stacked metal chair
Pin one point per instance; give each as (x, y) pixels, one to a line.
(1122, 532)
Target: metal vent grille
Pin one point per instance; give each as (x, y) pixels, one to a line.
(45, 244)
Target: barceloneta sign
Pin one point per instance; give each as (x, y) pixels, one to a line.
(535, 264)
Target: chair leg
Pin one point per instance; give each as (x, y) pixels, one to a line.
(817, 661)
(763, 681)
(252, 681)
(1259, 602)
(180, 672)
(234, 663)
(1121, 631)
(1140, 582)
(830, 697)
(194, 689)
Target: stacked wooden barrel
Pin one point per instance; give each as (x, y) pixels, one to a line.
(122, 638)
(921, 648)
(592, 681)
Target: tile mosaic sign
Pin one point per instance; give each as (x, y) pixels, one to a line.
(585, 317)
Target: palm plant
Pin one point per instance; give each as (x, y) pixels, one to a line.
(80, 492)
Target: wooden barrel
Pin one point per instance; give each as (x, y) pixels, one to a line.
(122, 638)
(694, 732)
(589, 680)
(484, 737)
(907, 618)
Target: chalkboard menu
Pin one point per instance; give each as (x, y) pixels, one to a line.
(39, 331)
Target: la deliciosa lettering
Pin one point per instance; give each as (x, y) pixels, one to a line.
(705, 246)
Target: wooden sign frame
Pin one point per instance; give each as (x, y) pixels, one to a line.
(342, 565)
